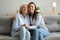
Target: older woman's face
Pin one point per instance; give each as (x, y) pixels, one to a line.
(31, 8)
(24, 8)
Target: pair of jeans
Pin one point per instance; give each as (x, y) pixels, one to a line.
(39, 34)
(23, 33)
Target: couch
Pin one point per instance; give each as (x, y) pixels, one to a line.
(52, 23)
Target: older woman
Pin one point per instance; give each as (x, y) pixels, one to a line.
(19, 28)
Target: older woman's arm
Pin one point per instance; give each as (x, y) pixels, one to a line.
(16, 25)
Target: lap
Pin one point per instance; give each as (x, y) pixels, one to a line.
(21, 31)
(40, 30)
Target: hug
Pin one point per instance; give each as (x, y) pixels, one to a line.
(29, 23)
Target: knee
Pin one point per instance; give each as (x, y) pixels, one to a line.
(47, 33)
(22, 28)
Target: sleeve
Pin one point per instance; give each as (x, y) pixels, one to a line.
(33, 27)
(15, 24)
(39, 22)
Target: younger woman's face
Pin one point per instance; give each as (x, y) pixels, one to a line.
(31, 8)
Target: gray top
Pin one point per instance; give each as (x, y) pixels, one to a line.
(39, 22)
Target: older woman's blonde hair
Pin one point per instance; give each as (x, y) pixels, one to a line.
(20, 9)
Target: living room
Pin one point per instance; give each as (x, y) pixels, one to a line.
(49, 9)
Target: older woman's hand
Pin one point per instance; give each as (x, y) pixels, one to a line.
(27, 26)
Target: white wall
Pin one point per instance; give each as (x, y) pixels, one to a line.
(10, 6)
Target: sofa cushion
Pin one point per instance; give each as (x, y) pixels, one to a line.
(5, 37)
(59, 26)
(53, 27)
(51, 23)
(53, 36)
(50, 19)
(5, 25)
(58, 19)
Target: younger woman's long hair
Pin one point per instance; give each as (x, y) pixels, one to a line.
(34, 15)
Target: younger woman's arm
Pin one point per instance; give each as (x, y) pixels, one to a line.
(39, 22)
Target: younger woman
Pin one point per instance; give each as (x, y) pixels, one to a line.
(37, 23)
